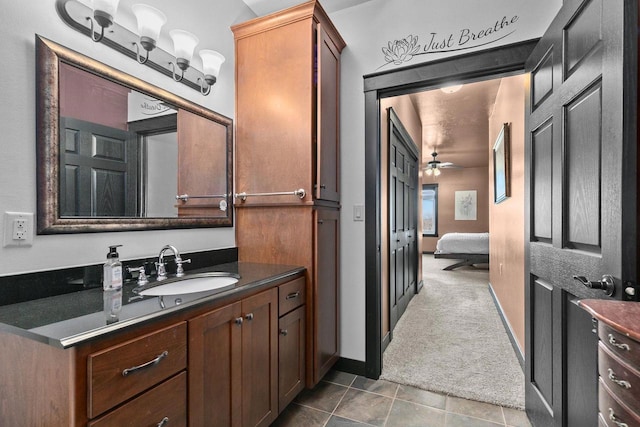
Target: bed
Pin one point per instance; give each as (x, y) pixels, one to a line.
(471, 248)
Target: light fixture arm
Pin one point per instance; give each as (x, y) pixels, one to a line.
(173, 71)
(100, 36)
(205, 89)
(139, 58)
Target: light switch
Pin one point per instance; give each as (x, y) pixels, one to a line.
(358, 212)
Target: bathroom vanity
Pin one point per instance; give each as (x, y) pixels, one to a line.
(234, 357)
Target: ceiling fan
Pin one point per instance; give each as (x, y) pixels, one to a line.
(433, 166)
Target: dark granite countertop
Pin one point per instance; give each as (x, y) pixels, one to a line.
(74, 318)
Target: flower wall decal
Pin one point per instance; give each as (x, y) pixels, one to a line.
(402, 50)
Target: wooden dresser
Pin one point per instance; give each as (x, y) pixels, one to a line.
(618, 361)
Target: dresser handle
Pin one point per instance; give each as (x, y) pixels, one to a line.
(621, 383)
(150, 363)
(293, 295)
(163, 422)
(616, 420)
(613, 342)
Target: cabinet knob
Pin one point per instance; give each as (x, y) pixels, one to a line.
(322, 186)
(249, 316)
(239, 321)
(284, 332)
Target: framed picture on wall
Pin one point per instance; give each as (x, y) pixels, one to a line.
(466, 205)
(502, 165)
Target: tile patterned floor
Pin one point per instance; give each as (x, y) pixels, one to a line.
(346, 400)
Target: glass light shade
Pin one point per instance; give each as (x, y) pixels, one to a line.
(429, 171)
(211, 62)
(436, 172)
(107, 6)
(150, 21)
(183, 44)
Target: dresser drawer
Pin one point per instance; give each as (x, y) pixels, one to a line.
(121, 372)
(291, 295)
(619, 344)
(167, 401)
(621, 379)
(613, 412)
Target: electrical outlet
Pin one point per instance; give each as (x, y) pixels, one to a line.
(18, 229)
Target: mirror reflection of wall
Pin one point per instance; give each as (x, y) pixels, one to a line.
(162, 169)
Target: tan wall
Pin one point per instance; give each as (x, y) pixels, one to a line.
(450, 181)
(506, 227)
(407, 113)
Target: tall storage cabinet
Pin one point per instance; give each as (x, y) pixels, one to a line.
(287, 134)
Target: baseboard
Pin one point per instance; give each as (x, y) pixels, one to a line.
(420, 286)
(507, 327)
(386, 340)
(355, 367)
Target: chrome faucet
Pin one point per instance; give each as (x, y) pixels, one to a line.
(161, 267)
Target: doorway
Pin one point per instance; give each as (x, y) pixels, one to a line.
(469, 68)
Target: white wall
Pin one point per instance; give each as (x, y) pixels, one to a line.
(367, 29)
(19, 22)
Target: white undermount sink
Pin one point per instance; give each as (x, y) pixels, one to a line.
(201, 282)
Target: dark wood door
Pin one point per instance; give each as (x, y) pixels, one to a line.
(403, 218)
(260, 359)
(99, 170)
(581, 181)
(215, 363)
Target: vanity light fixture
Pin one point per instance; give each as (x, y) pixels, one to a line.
(104, 12)
(150, 21)
(211, 63)
(184, 44)
(81, 14)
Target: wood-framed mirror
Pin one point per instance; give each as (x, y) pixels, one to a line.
(115, 153)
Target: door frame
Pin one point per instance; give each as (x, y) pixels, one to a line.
(498, 62)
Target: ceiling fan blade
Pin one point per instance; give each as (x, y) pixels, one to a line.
(449, 165)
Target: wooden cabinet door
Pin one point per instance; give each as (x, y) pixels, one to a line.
(327, 183)
(325, 292)
(215, 344)
(291, 356)
(260, 359)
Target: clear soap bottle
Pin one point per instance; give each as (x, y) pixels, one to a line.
(112, 271)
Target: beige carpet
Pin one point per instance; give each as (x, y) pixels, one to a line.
(451, 340)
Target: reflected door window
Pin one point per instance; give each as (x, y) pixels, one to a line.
(430, 210)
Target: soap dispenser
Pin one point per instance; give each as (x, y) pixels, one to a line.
(112, 271)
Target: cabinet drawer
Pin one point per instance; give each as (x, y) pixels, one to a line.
(620, 378)
(612, 409)
(619, 344)
(120, 372)
(291, 295)
(166, 401)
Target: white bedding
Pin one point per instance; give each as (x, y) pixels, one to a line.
(463, 243)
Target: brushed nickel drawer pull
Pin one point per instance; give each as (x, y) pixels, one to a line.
(621, 346)
(163, 422)
(621, 383)
(615, 419)
(148, 364)
(249, 316)
(283, 332)
(293, 295)
(239, 321)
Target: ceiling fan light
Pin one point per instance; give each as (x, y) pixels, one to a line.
(429, 172)
(436, 172)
